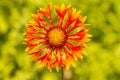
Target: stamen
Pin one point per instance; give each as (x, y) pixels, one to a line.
(56, 37)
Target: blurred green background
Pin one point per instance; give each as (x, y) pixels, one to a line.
(102, 62)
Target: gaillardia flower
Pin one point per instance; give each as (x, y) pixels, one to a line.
(57, 43)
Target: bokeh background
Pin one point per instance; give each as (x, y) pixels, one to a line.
(102, 62)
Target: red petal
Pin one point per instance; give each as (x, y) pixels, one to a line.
(38, 51)
(46, 55)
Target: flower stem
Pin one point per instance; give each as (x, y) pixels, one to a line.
(62, 74)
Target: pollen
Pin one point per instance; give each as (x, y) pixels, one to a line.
(56, 37)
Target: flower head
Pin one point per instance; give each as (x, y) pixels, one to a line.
(57, 44)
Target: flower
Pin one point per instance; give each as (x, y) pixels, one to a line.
(57, 44)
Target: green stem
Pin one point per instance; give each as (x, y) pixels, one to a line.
(62, 74)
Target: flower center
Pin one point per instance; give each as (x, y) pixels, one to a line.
(56, 37)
